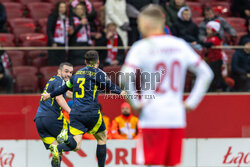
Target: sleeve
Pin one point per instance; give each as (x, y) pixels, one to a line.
(202, 32)
(3, 16)
(227, 27)
(114, 17)
(62, 89)
(204, 76)
(51, 29)
(102, 78)
(132, 63)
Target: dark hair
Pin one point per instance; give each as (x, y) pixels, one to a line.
(65, 64)
(56, 10)
(206, 9)
(91, 57)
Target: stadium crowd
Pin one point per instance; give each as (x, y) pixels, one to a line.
(112, 23)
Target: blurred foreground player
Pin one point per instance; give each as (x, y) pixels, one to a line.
(85, 115)
(162, 118)
(49, 118)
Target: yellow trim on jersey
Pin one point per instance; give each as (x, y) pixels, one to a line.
(53, 99)
(61, 116)
(48, 140)
(97, 125)
(75, 131)
(95, 89)
(65, 124)
(69, 85)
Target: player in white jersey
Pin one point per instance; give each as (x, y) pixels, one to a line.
(163, 118)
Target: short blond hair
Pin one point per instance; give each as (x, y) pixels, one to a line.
(155, 12)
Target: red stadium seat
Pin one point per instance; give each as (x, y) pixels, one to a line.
(47, 72)
(198, 20)
(3, 1)
(53, 1)
(40, 62)
(21, 70)
(25, 2)
(237, 23)
(195, 8)
(17, 58)
(76, 68)
(43, 25)
(22, 25)
(26, 83)
(7, 39)
(39, 10)
(13, 10)
(33, 39)
(31, 55)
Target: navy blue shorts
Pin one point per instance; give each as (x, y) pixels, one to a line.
(48, 129)
(86, 122)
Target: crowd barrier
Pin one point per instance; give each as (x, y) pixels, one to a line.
(218, 115)
(223, 152)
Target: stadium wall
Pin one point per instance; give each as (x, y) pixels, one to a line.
(197, 153)
(218, 116)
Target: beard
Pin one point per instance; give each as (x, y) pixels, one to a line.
(126, 114)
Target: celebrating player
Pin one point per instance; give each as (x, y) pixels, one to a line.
(163, 118)
(49, 118)
(85, 114)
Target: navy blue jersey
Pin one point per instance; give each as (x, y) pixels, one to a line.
(51, 107)
(86, 83)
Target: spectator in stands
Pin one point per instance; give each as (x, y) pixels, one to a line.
(225, 26)
(241, 67)
(6, 80)
(111, 39)
(81, 35)
(90, 11)
(214, 56)
(172, 10)
(248, 33)
(133, 9)
(116, 13)
(241, 8)
(57, 31)
(3, 18)
(185, 28)
(125, 125)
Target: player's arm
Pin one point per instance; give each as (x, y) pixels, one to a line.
(62, 103)
(69, 94)
(204, 76)
(102, 78)
(58, 91)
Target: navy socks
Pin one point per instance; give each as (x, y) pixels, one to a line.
(101, 154)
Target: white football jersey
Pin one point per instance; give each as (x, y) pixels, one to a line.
(168, 57)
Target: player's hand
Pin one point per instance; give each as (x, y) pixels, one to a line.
(46, 96)
(123, 93)
(187, 107)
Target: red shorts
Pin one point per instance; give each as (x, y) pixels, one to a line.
(160, 147)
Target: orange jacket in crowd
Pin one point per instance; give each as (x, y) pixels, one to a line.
(124, 127)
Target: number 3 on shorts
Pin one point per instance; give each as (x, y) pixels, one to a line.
(81, 81)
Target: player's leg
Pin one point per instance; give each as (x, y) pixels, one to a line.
(101, 149)
(100, 133)
(42, 124)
